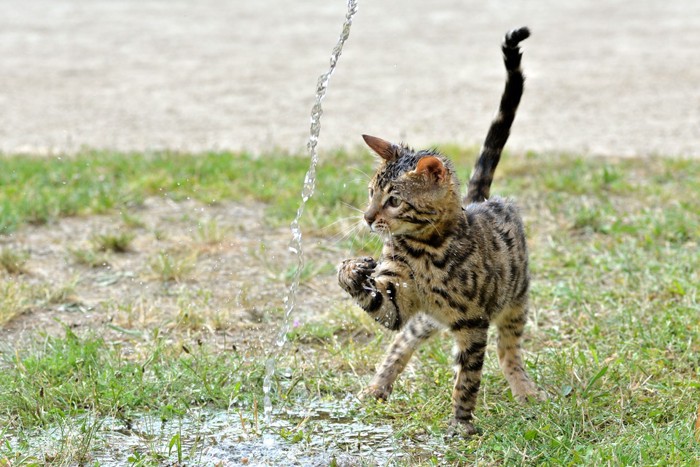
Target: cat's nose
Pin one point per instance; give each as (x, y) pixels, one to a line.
(370, 217)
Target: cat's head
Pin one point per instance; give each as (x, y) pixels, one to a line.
(412, 192)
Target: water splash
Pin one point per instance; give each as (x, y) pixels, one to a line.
(307, 192)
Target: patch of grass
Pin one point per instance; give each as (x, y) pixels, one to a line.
(15, 299)
(39, 189)
(173, 265)
(115, 242)
(210, 231)
(58, 295)
(13, 261)
(88, 257)
(196, 313)
(132, 221)
(68, 376)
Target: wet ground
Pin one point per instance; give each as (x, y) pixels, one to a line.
(319, 435)
(614, 78)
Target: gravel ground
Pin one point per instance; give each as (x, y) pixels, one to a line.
(613, 78)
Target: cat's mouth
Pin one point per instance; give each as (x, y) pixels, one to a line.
(378, 227)
(381, 229)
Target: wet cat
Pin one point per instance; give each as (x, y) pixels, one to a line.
(447, 261)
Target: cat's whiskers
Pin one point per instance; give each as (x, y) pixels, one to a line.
(437, 231)
(352, 230)
(367, 176)
(343, 219)
(348, 205)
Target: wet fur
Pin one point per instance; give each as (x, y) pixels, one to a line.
(446, 264)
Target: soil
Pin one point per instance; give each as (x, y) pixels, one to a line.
(232, 289)
(612, 78)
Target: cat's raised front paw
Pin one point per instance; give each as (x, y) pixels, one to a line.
(353, 274)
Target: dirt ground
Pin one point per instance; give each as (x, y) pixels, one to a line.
(235, 275)
(617, 78)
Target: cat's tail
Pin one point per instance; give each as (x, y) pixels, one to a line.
(480, 182)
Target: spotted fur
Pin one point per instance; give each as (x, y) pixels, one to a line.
(445, 265)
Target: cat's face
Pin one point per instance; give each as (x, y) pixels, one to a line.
(411, 192)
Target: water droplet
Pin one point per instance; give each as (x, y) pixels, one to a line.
(268, 441)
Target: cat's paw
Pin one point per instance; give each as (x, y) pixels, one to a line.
(532, 395)
(380, 393)
(525, 391)
(461, 429)
(353, 274)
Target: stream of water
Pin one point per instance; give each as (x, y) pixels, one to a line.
(295, 246)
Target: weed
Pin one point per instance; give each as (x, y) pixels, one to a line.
(132, 221)
(211, 232)
(115, 242)
(12, 261)
(87, 257)
(160, 234)
(15, 298)
(59, 295)
(173, 265)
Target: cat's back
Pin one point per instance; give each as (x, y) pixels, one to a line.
(494, 214)
(496, 228)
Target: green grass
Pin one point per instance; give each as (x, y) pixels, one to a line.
(613, 339)
(72, 375)
(36, 190)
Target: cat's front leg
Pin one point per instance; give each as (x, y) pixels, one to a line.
(375, 288)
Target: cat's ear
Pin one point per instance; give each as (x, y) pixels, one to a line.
(432, 168)
(384, 149)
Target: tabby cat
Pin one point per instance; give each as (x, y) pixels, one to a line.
(447, 261)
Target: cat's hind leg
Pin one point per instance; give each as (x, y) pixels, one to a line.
(419, 329)
(471, 336)
(511, 324)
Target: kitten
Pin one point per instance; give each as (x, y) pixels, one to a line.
(444, 264)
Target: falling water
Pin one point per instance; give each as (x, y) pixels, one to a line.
(295, 245)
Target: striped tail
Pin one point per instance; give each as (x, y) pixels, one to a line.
(480, 182)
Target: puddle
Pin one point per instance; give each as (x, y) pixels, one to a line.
(321, 433)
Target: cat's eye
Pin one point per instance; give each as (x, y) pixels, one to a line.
(393, 201)
(371, 193)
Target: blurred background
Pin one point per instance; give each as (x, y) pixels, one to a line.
(618, 77)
